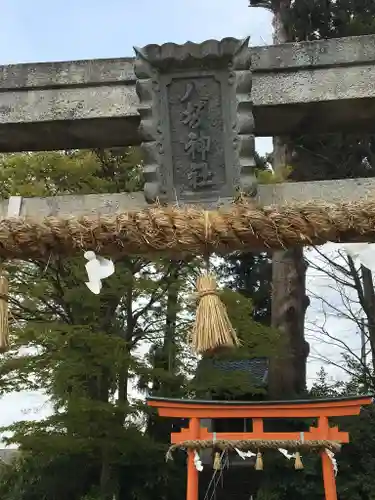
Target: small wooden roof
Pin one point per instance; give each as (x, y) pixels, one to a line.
(328, 407)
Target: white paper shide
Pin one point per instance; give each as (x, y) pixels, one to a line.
(97, 269)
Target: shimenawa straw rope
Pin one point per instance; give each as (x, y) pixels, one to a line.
(256, 445)
(4, 327)
(175, 230)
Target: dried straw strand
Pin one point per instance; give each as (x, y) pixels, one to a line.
(212, 327)
(217, 462)
(255, 445)
(175, 230)
(259, 461)
(4, 327)
(298, 464)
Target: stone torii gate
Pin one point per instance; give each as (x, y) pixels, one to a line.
(195, 109)
(307, 87)
(311, 87)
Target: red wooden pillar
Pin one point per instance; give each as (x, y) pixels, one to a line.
(327, 466)
(192, 490)
(328, 477)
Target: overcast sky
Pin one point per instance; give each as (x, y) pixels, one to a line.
(45, 30)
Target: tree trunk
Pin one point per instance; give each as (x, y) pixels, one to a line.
(366, 296)
(109, 477)
(165, 358)
(123, 378)
(106, 482)
(369, 299)
(169, 344)
(287, 377)
(287, 373)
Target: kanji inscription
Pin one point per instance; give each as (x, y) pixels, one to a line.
(196, 125)
(196, 113)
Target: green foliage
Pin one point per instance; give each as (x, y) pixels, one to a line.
(355, 461)
(268, 176)
(41, 475)
(315, 19)
(250, 273)
(331, 156)
(81, 349)
(83, 172)
(257, 341)
(37, 476)
(87, 352)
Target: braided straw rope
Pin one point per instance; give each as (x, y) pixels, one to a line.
(4, 328)
(177, 230)
(254, 445)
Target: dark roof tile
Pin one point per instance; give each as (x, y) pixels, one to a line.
(257, 367)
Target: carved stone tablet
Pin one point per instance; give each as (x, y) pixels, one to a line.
(196, 116)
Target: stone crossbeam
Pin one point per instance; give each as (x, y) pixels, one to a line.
(321, 86)
(277, 194)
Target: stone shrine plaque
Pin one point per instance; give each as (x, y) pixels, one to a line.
(196, 115)
(197, 135)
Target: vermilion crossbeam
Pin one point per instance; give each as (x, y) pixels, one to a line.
(312, 435)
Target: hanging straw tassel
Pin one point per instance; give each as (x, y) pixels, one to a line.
(259, 461)
(4, 328)
(217, 462)
(298, 465)
(212, 327)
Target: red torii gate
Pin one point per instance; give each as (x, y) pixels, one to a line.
(322, 409)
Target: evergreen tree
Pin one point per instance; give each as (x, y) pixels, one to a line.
(81, 349)
(331, 156)
(340, 155)
(88, 353)
(248, 273)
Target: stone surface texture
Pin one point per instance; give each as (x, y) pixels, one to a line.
(196, 120)
(337, 191)
(306, 87)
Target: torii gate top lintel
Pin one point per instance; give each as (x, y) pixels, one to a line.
(189, 408)
(92, 103)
